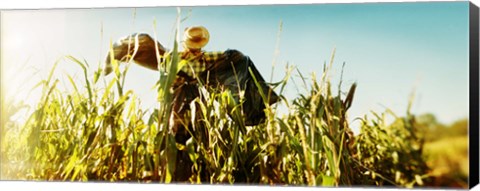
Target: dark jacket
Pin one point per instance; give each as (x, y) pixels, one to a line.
(237, 66)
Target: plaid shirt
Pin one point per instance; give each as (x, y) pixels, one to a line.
(193, 64)
(197, 63)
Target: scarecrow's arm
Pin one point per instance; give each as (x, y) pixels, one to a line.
(140, 46)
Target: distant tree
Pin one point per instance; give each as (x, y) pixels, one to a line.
(458, 128)
(431, 129)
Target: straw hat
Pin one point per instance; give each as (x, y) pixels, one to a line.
(195, 37)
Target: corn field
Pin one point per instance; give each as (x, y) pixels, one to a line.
(98, 132)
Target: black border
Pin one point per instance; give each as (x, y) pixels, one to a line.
(474, 96)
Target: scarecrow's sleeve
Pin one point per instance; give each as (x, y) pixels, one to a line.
(236, 71)
(139, 47)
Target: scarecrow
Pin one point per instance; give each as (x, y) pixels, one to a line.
(228, 69)
(218, 68)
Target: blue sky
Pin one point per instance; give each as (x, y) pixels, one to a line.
(389, 48)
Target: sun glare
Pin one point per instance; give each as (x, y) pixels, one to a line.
(14, 42)
(31, 41)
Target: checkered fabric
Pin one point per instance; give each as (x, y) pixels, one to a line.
(196, 63)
